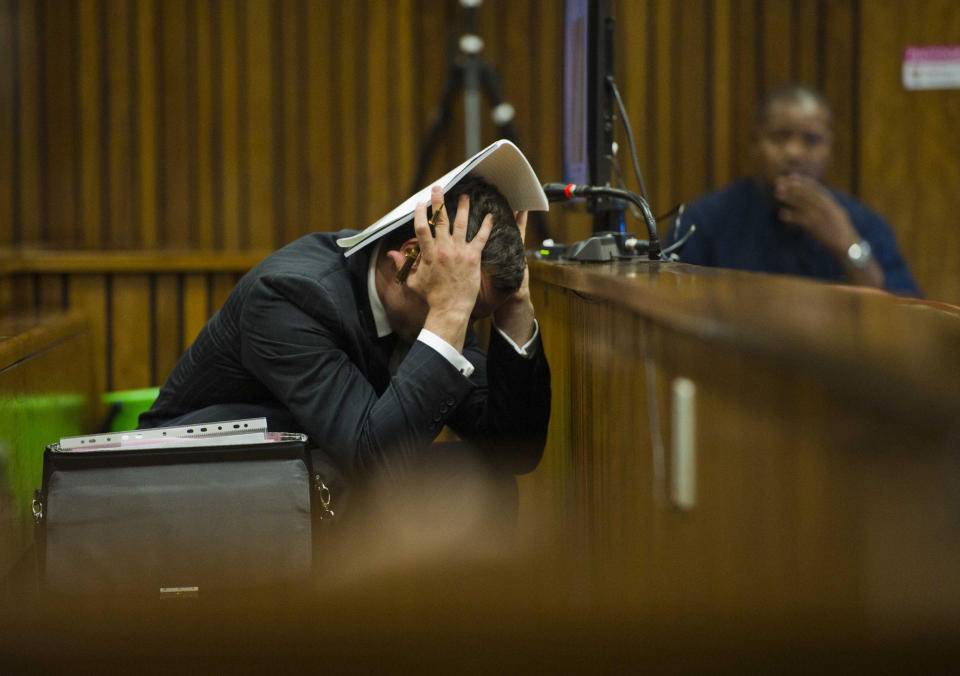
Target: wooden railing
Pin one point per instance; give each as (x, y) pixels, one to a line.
(144, 307)
(48, 390)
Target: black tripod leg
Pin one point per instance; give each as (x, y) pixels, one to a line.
(491, 87)
(451, 86)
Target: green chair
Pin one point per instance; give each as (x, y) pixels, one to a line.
(125, 406)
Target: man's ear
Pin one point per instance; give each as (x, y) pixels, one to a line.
(399, 256)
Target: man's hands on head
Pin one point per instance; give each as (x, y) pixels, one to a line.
(807, 204)
(447, 275)
(515, 316)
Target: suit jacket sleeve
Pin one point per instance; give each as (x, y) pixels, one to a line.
(305, 346)
(508, 412)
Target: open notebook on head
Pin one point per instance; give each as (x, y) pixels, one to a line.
(500, 164)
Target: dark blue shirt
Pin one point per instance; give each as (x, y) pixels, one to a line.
(738, 228)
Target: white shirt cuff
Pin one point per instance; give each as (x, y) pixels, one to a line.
(447, 351)
(525, 350)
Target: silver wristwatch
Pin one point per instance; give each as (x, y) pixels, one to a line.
(859, 254)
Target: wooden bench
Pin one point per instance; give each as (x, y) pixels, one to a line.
(47, 390)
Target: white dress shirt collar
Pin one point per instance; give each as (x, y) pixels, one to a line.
(379, 314)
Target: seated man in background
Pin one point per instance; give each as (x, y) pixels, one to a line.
(784, 219)
(372, 364)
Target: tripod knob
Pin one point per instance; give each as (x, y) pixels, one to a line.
(503, 114)
(471, 44)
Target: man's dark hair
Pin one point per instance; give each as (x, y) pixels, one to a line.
(792, 93)
(503, 255)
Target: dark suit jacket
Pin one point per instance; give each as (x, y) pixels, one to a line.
(296, 341)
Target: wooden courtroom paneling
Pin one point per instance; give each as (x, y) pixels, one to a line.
(8, 167)
(910, 169)
(143, 308)
(233, 125)
(167, 321)
(88, 296)
(129, 331)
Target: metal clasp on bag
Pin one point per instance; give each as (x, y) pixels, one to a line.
(325, 497)
(37, 506)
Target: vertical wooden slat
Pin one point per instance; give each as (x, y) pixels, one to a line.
(665, 187)
(546, 101)
(167, 322)
(147, 139)
(91, 150)
(745, 92)
(805, 70)
(243, 121)
(29, 123)
(495, 29)
(6, 295)
(347, 17)
(838, 85)
(632, 66)
(429, 20)
(222, 284)
(723, 146)
(513, 62)
(60, 116)
(120, 224)
(205, 126)
(194, 306)
(691, 161)
(50, 292)
(403, 125)
(88, 294)
(230, 236)
(321, 163)
(174, 191)
(383, 194)
(8, 136)
(24, 293)
(291, 129)
(777, 36)
(260, 130)
(130, 331)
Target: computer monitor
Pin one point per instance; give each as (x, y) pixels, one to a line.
(587, 102)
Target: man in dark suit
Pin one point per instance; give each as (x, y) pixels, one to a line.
(371, 368)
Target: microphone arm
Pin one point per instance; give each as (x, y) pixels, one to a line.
(560, 192)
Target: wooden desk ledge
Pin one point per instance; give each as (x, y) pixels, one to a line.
(27, 333)
(63, 262)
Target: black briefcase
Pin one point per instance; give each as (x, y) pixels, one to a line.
(176, 516)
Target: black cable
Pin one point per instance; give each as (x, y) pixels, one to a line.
(626, 126)
(680, 242)
(621, 183)
(671, 212)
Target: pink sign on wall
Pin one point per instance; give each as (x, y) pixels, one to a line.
(931, 67)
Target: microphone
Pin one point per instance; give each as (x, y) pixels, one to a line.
(560, 192)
